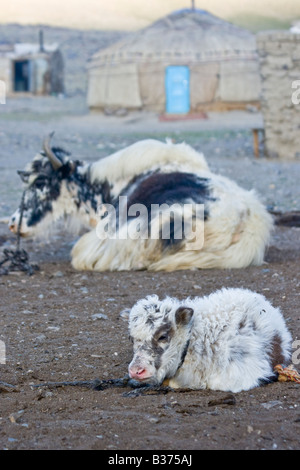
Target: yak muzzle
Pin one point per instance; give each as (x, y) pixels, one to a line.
(141, 371)
(13, 225)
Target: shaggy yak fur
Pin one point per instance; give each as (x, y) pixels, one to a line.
(235, 230)
(230, 340)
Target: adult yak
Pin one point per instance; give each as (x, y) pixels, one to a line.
(163, 178)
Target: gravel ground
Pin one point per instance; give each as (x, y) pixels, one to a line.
(226, 142)
(61, 325)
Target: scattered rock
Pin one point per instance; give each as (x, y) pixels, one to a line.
(58, 274)
(270, 404)
(153, 420)
(99, 316)
(42, 393)
(40, 338)
(15, 417)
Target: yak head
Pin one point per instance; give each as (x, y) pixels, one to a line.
(51, 191)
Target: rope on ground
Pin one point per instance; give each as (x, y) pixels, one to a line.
(18, 258)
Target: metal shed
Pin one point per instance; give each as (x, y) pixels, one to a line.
(32, 68)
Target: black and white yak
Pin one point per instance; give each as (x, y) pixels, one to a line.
(231, 340)
(234, 232)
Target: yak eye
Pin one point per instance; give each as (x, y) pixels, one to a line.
(39, 183)
(163, 337)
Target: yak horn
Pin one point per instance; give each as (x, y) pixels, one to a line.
(55, 162)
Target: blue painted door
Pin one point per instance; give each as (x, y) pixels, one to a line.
(177, 83)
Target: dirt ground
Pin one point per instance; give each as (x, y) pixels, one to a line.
(64, 325)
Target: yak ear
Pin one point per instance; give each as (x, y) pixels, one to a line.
(24, 175)
(183, 315)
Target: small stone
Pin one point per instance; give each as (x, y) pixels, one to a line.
(15, 417)
(53, 328)
(44, 394)
(99, 316)
(40, 338)
(153, 420)
(270, 404)
(58, 274)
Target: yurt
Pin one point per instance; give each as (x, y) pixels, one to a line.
(188, 61)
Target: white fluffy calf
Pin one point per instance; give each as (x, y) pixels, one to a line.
(230, 340)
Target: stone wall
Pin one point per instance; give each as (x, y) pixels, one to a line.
(279, 58)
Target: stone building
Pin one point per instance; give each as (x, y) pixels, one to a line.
(32, 68)
(188, 61)
(279, 58)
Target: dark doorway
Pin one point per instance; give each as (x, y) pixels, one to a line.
(21, 75)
